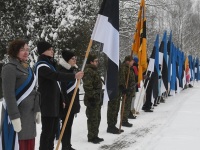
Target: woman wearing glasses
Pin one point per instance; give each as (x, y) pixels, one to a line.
(21, 110)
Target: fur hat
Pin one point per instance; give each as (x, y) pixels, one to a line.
(91, 57)
(43, 46)
(67, 55)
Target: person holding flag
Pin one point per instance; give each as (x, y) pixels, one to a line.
(50, 90)
(67, 64)
(135, 70)
(130, 89)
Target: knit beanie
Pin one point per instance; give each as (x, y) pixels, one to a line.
(91, 57)
(43, 46)
(67, 55)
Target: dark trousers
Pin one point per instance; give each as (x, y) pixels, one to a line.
(49, 128)
(148, 104)
(66, 139)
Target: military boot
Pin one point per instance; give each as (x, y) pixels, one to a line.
(99, 139)
(94, 140)
(131, 116)
(127, 124)
(68, 147)
(114, 130)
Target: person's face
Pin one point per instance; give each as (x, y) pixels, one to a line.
(49, 52)
(72, 61)
(130, 63)
(23, 53)
(95, 62)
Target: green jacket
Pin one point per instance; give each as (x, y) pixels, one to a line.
(131, 81)
(92, 84)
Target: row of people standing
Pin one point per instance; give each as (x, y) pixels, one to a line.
(92, 84)
(25, 104)
(54, 87)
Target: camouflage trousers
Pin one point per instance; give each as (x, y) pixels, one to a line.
(127, 108)
(93, 120)
(112, 112)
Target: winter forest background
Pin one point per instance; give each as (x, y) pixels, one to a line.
(68, 24)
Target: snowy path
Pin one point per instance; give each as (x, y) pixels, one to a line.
(174, 125)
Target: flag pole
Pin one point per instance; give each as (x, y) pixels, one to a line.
(123, 101)
(73, 97)
(124, 97)
(139, 100)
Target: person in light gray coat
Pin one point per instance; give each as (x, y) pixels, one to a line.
(21, 100)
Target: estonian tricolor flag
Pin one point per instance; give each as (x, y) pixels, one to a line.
(106, 31)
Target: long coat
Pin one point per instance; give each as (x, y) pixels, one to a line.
(67, 68)
(51, 97)
(13, 76)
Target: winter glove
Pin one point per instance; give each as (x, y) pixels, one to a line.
(38, 117)
(17, 125)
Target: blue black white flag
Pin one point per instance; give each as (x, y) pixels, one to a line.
(106, 31)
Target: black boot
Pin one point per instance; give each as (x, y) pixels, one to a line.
(68, 147)
(127, 124)
(190, 86)
(94, 140)
(114, 130)
(130, 116)
(148, 110)
(162, 100)
(99, 139)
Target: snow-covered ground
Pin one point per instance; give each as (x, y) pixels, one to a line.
(174, 125)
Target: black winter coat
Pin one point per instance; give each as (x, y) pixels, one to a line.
(51, 97)
(66, 68)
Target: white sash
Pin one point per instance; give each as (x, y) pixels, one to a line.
(72, 87)
(41, 65)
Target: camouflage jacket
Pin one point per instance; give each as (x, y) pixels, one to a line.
(92, 83)
(123, 77)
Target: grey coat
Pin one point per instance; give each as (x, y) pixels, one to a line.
(14, 75)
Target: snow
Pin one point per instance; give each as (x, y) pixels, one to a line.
(174, 125)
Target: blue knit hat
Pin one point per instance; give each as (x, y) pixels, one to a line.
(135, 59)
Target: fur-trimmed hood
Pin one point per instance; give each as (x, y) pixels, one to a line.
(66, 65)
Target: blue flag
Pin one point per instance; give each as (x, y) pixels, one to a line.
(173, 62)
(169, 52)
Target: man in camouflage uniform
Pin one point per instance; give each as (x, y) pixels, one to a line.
(93, 87)
(114, 105)
(130, 90)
